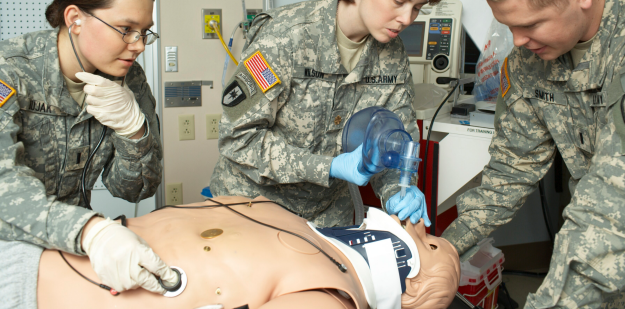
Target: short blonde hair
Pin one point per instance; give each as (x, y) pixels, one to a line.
(539, 4)
(430, 2)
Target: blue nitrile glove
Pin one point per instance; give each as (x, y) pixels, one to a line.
(412, 205)
(345, 166)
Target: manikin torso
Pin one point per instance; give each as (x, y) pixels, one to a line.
(249, 264)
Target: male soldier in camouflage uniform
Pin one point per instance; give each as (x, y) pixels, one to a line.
(555, 93)
(279, 142)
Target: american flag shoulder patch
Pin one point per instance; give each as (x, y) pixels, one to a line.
(504, 79)
(260, 70)
(6, 92)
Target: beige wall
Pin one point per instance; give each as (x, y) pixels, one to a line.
(192, 162)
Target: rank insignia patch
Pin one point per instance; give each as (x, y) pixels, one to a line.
(260, 70)
(6, 92)
(233, 95)
(504, 79)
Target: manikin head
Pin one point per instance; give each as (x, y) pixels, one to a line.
(383, 19)
(437, 282)
(549, 28)
(98, 45)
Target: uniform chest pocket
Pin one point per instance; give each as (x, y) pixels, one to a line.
(379, 88)
(582, 122)
(583, 139)
(41, 149)
(301, 119)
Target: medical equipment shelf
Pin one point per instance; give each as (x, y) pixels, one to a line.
(462, 155)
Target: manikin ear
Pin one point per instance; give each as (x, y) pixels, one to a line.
(73, 15)
(585, 4)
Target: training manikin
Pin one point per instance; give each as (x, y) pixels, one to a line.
(250, 264)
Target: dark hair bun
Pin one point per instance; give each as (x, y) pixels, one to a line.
(54, 14)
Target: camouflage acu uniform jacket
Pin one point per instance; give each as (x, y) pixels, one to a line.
(547, 104)
(280, 143)
(45, 139)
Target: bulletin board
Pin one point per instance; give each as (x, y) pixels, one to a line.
(19, 17)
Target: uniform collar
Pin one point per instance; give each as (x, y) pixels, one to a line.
(365, 66)
(591, 71)
(328, 56)
(53, 82)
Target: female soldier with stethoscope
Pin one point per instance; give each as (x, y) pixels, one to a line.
(56, 99)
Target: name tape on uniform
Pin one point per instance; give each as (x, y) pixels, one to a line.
(248, 82)
(381, 79)
(6, 92)
(260, 70)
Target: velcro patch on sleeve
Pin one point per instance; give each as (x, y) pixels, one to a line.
(6, 92)
(251, 88)
(260, 70)
(504, 79)
(233, 95)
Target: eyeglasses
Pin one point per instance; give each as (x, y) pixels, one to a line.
(133, 36)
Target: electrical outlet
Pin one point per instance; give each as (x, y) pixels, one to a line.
(173, 193)
(186, 127)
(207, 16)
(212, 126)
(208, 19)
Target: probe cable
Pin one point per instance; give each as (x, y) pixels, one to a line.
(425, 159)
(340, 266)
(106, 287)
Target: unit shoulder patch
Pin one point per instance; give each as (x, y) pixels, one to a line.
(260, 70)
(504, 78)
(6, 92)
(233, 95)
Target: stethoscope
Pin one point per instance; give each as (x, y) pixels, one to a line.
(172, 291)
(83, 189)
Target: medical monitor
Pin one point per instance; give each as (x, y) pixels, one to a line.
(433, 44)
(413, 38)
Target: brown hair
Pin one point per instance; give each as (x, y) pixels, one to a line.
(55, 11)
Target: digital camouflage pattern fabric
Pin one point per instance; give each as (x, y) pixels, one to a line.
(578, 110)
(45, 139)
(280, 144)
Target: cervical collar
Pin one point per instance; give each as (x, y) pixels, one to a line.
(382, 253)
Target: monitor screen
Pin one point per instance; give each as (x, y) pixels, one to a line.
(413, 38)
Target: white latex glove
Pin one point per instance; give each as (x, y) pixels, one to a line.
(112, 105)
(123, 260)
